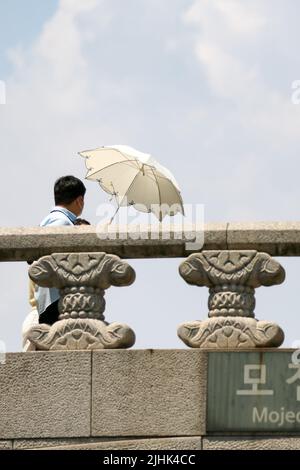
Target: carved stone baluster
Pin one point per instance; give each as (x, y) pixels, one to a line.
(82, 279)
(231, 277)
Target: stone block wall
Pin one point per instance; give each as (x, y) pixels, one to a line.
(113, 399)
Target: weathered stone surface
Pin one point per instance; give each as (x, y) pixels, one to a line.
(231, 277)
(31, 243)
(45, 395)
(99, 270)
(82, 279)
(20, 444)
(275, 238)
(81, 334)
(180, 443)
(5, 445)
(230, 332)
(251, 443)
(149, 393)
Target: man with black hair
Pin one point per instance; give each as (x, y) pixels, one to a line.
(69, 193)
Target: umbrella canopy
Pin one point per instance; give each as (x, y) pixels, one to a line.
(135, 179)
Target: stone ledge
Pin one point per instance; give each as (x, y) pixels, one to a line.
(27, 243)
(6, 445)
(168, 443)
(251, 443)
(31, 243)
(275, 238)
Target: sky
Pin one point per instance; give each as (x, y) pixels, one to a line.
(205, 86)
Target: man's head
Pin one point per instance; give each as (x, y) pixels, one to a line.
(69, 192)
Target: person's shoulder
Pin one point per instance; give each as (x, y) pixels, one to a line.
(45, 221)
(55, 219)
(59, 223)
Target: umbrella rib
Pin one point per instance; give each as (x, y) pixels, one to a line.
(102, 148)
(163, 177)
(129, 187)
(159, 195)
(177, 190)
(112, 164)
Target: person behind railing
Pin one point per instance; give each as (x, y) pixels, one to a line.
(69, 193)
(32, 318)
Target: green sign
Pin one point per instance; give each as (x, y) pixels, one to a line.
(253, 391)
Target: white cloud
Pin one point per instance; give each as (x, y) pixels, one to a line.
(229, 39)
(227, 75)
(243, 17)
(55, 68)
(222, 27)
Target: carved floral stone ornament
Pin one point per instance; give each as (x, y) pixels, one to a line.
(82, 279)
(231, 277)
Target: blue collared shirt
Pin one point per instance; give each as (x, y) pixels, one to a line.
(59, 216)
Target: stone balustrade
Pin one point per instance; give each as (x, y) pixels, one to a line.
(82, 279)
(231, 276)
(24, 244)
(234, 260)
(107, 398)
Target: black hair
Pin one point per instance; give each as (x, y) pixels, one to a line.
(67, 189)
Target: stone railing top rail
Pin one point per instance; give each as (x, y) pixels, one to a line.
(25, 243)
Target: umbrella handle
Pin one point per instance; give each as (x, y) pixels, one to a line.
(114, 215)
(114, 194)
